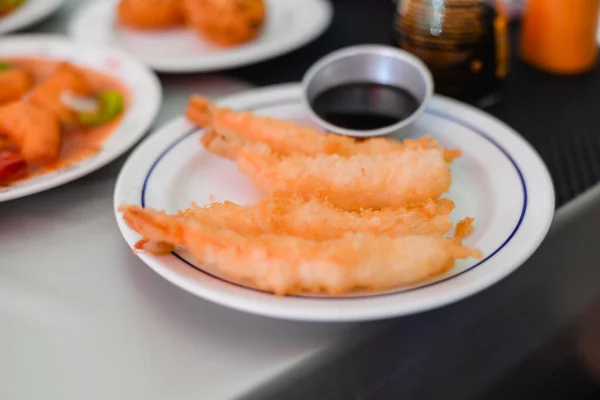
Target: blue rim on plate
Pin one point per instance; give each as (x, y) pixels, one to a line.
(389, 293)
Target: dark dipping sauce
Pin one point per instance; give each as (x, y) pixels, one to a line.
(364, 106)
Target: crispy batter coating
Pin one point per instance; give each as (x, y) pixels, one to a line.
(339, 214)
(353, 183)
(228, 129)
(287, 264)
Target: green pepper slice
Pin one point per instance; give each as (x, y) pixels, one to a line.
(4, 66)
(111, 104)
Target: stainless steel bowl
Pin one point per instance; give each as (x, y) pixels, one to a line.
(369, 64)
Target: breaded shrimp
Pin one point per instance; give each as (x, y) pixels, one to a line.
(285, 213)
(227, 128)
(49, 94)
(353, 183)
(283, 137)
(150, 14)
(319, 219)
(34, 130)
(14, 84)
(285, 264)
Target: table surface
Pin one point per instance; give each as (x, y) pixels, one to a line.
(83, 317)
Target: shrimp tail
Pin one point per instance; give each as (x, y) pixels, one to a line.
(200, 111)
(215, 144)
(161, 232)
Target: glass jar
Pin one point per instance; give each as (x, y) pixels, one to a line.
(463, 42)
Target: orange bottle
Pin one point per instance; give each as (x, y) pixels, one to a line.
(559, 36)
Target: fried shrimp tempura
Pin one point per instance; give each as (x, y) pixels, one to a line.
(352, 183)
(320, 220)
(150, 14)
(228, 129)
(286, 264)
(281, 156)
(282, 136)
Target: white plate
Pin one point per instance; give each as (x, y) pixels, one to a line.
(499, 180)
(28, 14)
(290, 24)
(144, 90)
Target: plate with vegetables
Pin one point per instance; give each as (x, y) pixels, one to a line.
(67, 109)
(18, 14)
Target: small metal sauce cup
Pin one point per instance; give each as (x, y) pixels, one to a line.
(368, 64)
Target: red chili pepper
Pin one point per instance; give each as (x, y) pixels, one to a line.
(12, 166)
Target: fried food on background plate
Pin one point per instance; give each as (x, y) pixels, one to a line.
(14, 83)
(150, 14)
(51, 115)
(226, 22)
(287, 264)
(34, 130)
(49, 94)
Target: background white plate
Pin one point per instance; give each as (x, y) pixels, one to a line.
(290, 24)
(144, 91)
(499, 180)
(29, 13)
